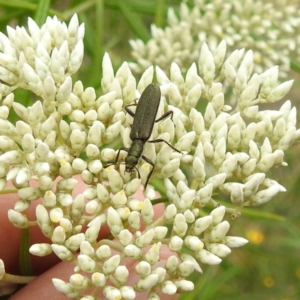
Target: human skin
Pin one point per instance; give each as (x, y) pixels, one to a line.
(46, 268)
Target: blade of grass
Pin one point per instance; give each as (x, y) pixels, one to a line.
(98, 44)
(135, 22)
(42, 12)
(29, 6)
(160, 13)
(24, 255)
(295, 66)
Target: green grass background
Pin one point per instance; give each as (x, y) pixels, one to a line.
(268, 268)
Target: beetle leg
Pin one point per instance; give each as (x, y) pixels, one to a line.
(150, 162)
(129, 110)
(165, 115)
(161, 140)
(117, 158)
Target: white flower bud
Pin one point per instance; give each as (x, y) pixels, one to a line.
(77, 207)
(220, 250)
(132, 187)
(127, 293)
(193, 242)
(65, 170)
(180, 225)
(216, 180)
(249, 167)
(11, 157)
(201, 224)
(21, 205)
(66, 225)
(133, 251)
(218, 214)
(134, 220)
(111, 293)
(65, 288)
(40, 249)
(143, 268)
(41, 168)
(102, 193)
(114, 179)
(92, 206)
(64, 199)
(58, 235)
(234, 241)
(186, 268)
(237, 195)
(17, 219)
(153, 295)
(199, 170)
(79, 281)
(94, 134)
(219, 232)
(207, 257)
(152, 256)
(186, 200)
(86, 263)
(168, 287)
(87, 177)
(265, 163)
(79, 165)
(112, 132)
(28, 143)
(119, 200)
(121, 274)
(56, 214)
(92, 232)
(103, 252)
(114, 221)
(175, 243)
(204, 194)
(184, 285)
(86, 248)
(145, 239)
(280, 91)
(146, 283)
(87, 298)
(43, 220)
(90, 193)
(98, 279)
(123, 212)
(147, 212)
(62, 252)
(78, 139)
(74, 242)
(185, 142)
(170, 213)
(45, 183)
(29, 193)
(92, 151)
(125, 237)
(171, 264)
(187, 257)
(266, 195)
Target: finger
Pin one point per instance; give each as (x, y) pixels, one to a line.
(42, 287)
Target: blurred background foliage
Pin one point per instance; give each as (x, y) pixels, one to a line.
(268, 267)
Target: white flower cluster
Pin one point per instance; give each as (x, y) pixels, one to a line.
(272, 33)
(226, 150)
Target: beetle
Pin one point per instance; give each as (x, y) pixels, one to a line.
(141, 129)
